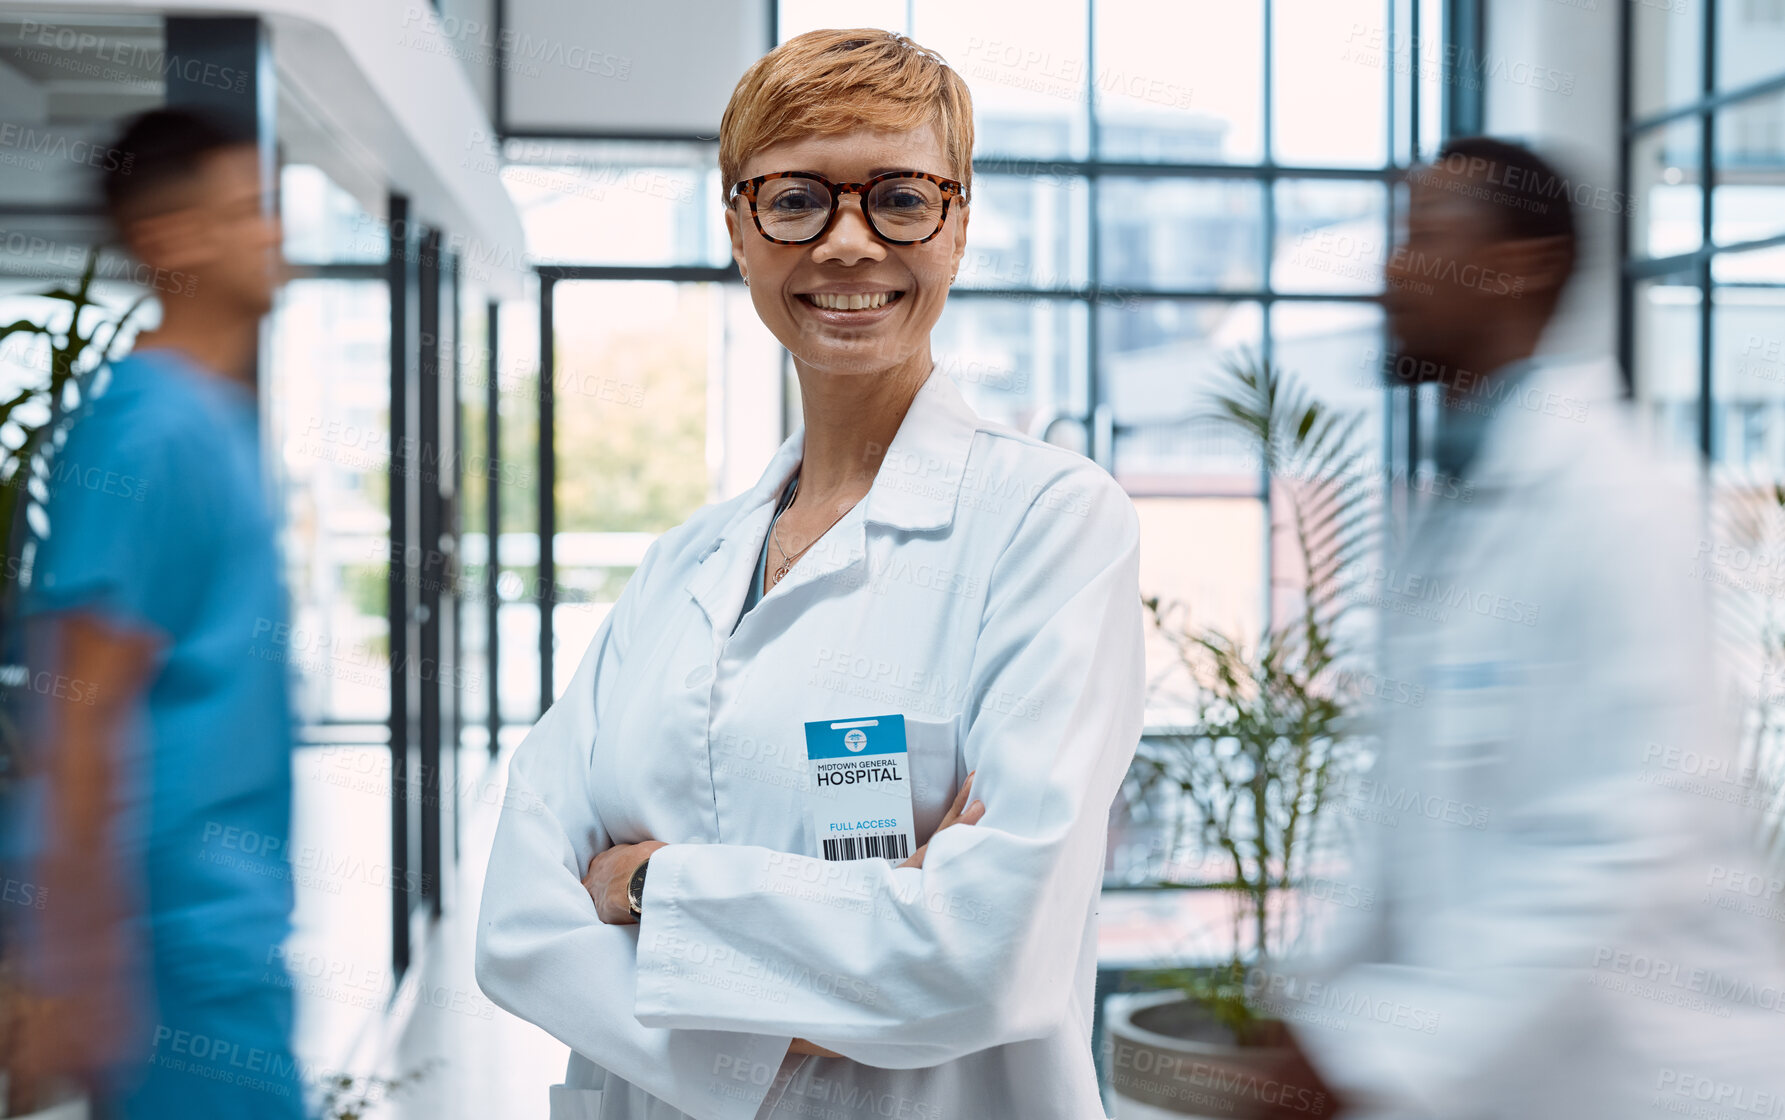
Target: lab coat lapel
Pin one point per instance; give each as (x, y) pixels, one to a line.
(717, 584)
(917, 488)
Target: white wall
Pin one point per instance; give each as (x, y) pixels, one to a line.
(1549, 78)
(625, 66)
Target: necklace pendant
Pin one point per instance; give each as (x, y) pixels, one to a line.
(779, 572)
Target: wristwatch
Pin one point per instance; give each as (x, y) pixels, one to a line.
(635, 888)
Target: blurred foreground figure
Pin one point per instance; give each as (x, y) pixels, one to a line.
(166, 798)
(1563, 926)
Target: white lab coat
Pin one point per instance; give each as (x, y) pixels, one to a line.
(986, 588)
(1530, 848)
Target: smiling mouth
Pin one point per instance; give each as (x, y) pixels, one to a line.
(856, 301)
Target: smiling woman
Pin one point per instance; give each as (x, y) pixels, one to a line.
(670, 892)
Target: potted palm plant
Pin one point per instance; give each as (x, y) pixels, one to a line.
(1268, 738)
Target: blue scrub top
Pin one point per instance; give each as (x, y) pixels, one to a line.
(159, 520)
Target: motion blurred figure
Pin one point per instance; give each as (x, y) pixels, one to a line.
(152, 971)
(1559, 926)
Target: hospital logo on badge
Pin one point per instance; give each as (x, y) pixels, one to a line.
(856, 739)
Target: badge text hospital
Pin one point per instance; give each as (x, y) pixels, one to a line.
(861, 800)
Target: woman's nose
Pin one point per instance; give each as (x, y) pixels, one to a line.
(850, 237)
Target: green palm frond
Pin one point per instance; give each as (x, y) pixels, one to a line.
(1271, 732)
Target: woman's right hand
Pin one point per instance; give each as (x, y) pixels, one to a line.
(958, 813)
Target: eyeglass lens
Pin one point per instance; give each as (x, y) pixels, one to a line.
(898, 209)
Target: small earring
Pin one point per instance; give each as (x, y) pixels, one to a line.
(746, 281)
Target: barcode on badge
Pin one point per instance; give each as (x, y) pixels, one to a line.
(885, 845)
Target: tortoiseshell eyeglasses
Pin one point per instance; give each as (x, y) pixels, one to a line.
(798, 207)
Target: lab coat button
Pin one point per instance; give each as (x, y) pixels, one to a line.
(698, 676)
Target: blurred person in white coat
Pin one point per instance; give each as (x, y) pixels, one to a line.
(658, 896)
(1559, 923)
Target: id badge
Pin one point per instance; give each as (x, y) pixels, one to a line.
(861, 788)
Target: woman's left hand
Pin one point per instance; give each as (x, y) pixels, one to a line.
(609, 873)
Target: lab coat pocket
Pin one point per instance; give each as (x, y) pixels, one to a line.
(934, 750)
(575, 1104)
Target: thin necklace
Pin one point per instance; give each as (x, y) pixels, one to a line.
(788, 561)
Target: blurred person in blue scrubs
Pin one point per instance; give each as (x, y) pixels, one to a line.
(1558, 927)
(166, 800)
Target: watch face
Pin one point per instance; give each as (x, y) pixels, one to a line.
(635, 887)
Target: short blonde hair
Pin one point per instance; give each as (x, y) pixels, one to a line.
(829, 82)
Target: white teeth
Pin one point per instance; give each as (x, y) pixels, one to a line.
(856, 302)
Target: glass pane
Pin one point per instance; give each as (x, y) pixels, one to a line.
(1026, 231)
(517, 490)
(324, 224)
(1748, 361)
(1216, 587)
(1750, 41)
(796, 17)
(1332, 236)
(475, 364)
(339, 952)
(1666, 54)
(1335, 349)
(617, 202)
(631, 381)
(329, 396)
(1335, 352)
(1431, 86)
(1180, 82)
(1184, 234)
(1667, 190)
(1025, 61)
(1748, 192)
(1158, 360)
(1331, 68)
(1666, 373)
(1018, 361)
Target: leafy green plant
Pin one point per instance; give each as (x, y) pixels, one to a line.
(345, 1096)
(74, 356)
(77, 344)
(1270, 732)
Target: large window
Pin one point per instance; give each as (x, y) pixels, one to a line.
(1160, 189)
(1704, 284)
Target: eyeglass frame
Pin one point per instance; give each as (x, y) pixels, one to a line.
(747, 188)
